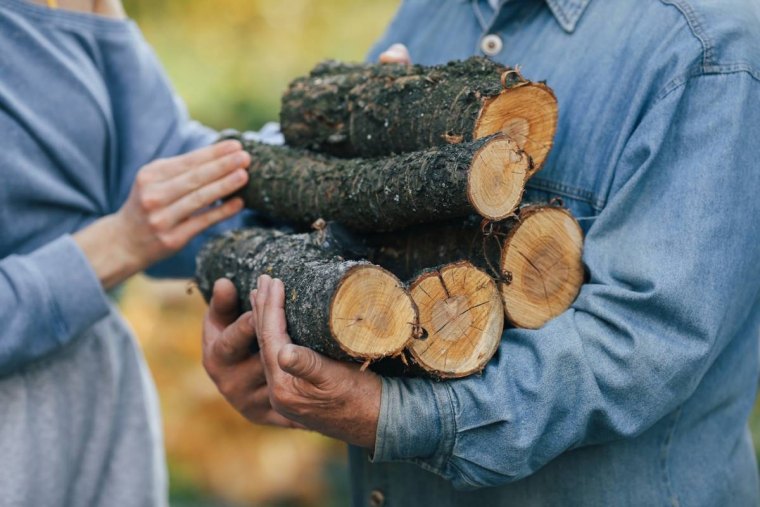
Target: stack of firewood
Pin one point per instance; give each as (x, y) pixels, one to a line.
(407, 173)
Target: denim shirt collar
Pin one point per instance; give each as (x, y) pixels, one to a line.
(566, 12)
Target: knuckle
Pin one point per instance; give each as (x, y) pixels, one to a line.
(224, 349)
(281, 399)
(311, 364)
(144, 177)
(149, 201)
(156, 223)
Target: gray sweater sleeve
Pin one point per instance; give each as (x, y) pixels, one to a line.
(47, 298)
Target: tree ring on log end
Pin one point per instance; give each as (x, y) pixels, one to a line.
(527, 113)
(543, 253)
(462, 312)
(371, 314)
(497, 177)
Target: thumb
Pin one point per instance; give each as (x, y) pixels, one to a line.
(302, 363)
(223, 307)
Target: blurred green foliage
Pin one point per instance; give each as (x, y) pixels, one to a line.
(230, 60)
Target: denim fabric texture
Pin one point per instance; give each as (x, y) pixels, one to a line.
(640, 393)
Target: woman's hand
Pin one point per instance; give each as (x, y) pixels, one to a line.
(172, 200)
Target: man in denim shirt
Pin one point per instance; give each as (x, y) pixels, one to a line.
(637, 395)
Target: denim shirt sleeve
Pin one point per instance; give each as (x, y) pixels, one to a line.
(674, 260)
(47, 298)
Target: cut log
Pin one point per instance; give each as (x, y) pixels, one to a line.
(347, 310)
(462, 318)
(486, 176)
(376, 109)
(542, 267)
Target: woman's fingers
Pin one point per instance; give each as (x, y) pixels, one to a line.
(197, 179)
(201, 198)
(171, 167)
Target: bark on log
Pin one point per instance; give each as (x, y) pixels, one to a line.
(372, 110)
(462, 318)
(486, 176)
(348, 310)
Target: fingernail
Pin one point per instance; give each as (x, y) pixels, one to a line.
(242, 158)
(240, 175)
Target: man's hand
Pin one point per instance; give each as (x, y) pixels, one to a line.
(331, 397)
(238, 374)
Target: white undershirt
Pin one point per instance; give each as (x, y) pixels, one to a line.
(494, 4)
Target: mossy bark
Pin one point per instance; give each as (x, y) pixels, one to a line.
(310, 270)
(364, 194)
(375, 109)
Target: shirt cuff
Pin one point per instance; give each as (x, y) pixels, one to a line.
(75, 295)
(416, 423)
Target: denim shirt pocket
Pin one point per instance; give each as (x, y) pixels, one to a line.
(582, 203)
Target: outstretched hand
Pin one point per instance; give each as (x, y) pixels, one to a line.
(285, 384)
(171, 201)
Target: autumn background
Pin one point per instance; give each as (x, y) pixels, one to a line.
(230, 61)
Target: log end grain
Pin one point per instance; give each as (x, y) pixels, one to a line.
(541, 259)
(372, 314)
(528, 114)
(462, 314)
(497, 177)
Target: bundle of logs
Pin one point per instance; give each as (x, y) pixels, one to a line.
(422, 249)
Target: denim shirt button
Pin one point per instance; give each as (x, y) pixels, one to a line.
(491, 44)
(376, 498)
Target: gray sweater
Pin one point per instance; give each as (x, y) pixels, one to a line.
(83, 105)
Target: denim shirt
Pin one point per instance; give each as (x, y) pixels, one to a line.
(639, 394)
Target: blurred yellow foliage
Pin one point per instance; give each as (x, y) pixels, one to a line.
(230, 61)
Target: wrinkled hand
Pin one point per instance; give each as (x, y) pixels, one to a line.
(171, 201)
(334, 398)
(397, 53)
(238, 374)
(285, 385)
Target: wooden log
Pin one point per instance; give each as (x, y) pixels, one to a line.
(462, 318)
(348, 310)
(541, 266)
(376, 109)
(486, 176)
